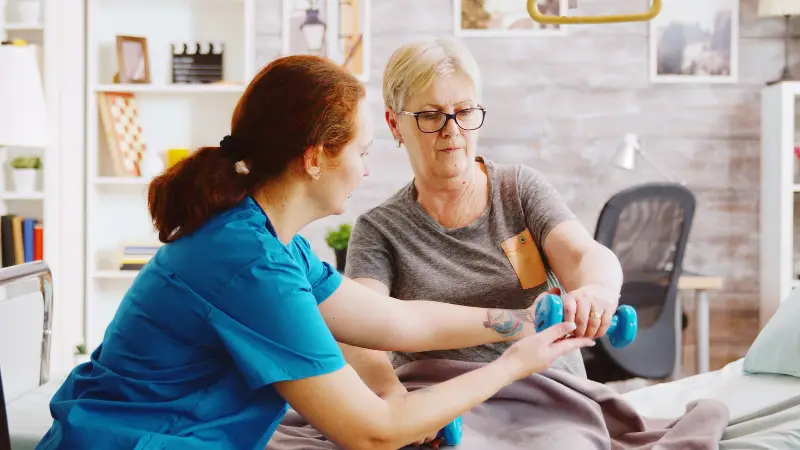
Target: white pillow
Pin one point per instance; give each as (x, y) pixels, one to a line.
(776, 350)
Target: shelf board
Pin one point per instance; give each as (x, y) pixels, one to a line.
(23, 27)
(10, 195)
(171, 88)
(115, 274)
(121, 181)
(796, 187)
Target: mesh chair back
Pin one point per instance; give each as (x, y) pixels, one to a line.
(647, 227)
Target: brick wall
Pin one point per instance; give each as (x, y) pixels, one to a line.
(562, 103)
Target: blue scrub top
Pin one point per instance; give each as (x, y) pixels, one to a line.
(189, 359)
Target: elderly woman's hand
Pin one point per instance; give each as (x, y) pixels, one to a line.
(591, 307)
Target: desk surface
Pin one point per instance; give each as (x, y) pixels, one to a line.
(694, 281)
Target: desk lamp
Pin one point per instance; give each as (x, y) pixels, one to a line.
(625, 158)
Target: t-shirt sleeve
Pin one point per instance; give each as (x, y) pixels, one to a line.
(543, 205)
(268, 320)
(324, 278)
(369, 253)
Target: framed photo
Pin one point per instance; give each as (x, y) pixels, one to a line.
(133, 60)
(337, 29)
(506, 18)
(695, 42)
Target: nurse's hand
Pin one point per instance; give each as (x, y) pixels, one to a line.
(536, 353)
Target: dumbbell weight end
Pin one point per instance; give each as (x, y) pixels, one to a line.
(451, 434)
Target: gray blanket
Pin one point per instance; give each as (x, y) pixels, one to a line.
(551, 410)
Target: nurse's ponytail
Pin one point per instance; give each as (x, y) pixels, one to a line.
(294, 103)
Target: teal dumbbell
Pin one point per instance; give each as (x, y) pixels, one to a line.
(451, 434)
(621, 333)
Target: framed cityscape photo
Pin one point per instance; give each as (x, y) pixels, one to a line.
(695, 42)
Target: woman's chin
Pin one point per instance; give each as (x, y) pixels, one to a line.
(452, 168)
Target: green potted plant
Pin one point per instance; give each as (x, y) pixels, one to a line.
(24, 171)
(338, 239)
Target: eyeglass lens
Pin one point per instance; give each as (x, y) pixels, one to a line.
(468, 119)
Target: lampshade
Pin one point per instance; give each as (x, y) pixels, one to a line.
(778, 8)
(23, 121)
(625, 158)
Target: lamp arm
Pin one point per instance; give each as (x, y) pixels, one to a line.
(661, 172)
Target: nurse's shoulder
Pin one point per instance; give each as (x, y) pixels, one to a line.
(228, 243)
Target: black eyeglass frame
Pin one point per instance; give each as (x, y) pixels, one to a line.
(448, 116)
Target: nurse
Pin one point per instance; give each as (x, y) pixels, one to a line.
(235, 318)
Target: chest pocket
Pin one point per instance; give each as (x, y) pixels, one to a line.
(524, 256)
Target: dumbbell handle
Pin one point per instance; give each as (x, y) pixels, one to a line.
(621, 332)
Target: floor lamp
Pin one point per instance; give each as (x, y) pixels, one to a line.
(786, 9)
(23, 120)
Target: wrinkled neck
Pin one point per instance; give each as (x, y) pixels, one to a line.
(455, 202)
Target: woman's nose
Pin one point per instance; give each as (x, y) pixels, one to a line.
(451, 129)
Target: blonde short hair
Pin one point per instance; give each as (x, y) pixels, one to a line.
(414, 66)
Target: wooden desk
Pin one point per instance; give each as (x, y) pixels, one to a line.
(700, 284)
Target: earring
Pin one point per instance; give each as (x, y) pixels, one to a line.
(316, 173)
(399, 143)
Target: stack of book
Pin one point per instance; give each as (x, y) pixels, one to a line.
(135, 256)
(21, 240)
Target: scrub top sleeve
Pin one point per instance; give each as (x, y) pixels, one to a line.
(268, 320)
(324, 278)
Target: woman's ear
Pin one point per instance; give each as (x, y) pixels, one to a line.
(391, 120)
(312, 162)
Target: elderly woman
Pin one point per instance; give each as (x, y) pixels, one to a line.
(467, 229)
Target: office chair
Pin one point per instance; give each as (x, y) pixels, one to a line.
(647, 227)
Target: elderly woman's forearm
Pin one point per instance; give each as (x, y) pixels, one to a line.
(373, 367)
(442, 326)
(361, 317)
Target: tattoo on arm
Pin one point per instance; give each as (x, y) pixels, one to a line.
(507, 322)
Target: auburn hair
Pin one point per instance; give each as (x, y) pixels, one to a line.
(294, 103)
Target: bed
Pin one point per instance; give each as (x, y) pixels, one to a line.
(764, 409)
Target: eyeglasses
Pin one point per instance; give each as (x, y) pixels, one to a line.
(435, 121)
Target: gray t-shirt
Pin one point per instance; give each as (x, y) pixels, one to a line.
(494, 262)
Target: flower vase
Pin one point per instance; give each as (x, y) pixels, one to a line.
(341, 259)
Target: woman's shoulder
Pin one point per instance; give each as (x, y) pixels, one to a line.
(234, 237)
(516, 174)
(397, 207)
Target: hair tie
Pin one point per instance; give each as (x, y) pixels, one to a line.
(233, 148)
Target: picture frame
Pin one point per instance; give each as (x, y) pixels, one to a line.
(505, 18)
(695, 42)
(122, 130)
(133, 60)
(337, 29)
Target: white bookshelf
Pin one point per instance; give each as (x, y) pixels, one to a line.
(780, 192)
(38, 204)
(171, 115)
